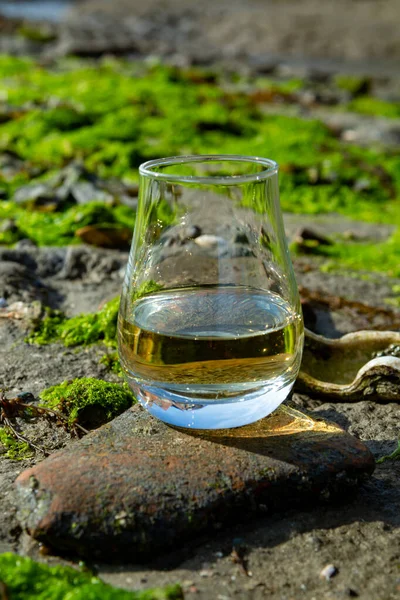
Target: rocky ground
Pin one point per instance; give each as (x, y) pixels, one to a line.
(286, 554)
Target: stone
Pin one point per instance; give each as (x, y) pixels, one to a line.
(136, 487)
(36, 193)
(17, 282)
(210, 241)
(328, 572)
(84, 192)
(106, 236)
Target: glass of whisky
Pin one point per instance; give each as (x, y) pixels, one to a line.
(210, 328)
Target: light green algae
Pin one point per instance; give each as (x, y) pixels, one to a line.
(24, 579)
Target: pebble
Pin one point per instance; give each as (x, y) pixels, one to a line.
(328, 572)
(206, 573)
(210, 241)
(107, 236)
(76, 184)
(33, 192)
(84, 192)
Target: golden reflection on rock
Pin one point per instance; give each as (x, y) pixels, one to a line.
(283, 421)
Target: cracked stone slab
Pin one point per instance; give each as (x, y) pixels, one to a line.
(136, 487)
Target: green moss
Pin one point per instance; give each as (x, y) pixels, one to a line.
(114, 115)
(87, 328)
(89, 401)
(284, 86)
(15, 67)
(11, 447)
(81, 330)
(368, 105)
(111, 362)
(25, 579)
(381, 257)
(353, 83)
(58, 228)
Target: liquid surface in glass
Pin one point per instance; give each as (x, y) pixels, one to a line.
(213, 342)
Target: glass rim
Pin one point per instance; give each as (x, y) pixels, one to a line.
(271, 168)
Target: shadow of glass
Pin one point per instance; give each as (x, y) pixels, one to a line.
(292, 437)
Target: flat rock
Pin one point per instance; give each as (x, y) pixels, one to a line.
(136, 487)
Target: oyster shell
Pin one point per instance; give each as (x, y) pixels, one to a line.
(364, 365)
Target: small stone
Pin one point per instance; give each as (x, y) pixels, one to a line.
(161, 496)
(18, 282)
(25, 244)
(84, 192)
(8, 225)
(21, 310)
(207, 241)
(206, 573)
(26, 397)
(328, 572)
(36, 193)
(105, 237)
(362, 184)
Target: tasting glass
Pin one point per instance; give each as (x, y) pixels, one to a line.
(210, 330)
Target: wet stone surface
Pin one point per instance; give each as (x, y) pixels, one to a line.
(129, 489)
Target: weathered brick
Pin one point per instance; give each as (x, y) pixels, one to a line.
(135, 486)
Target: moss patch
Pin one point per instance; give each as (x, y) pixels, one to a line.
(381, 257)
(11, 447)
(368, 105)
(81, 330)
(115, 115)
(88, 401)
(352, 83)
(111, 362)
(25, 579)
(58, 228)
(88, 328)
(112, 115)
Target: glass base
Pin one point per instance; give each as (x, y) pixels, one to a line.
(200, 414)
